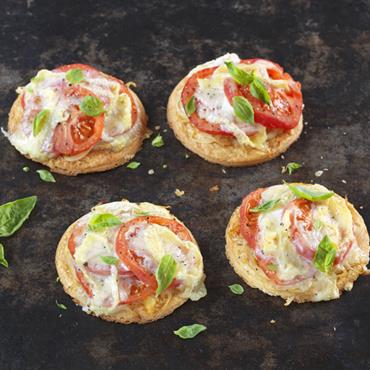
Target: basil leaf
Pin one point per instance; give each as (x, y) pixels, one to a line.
(243, 109)
(133, 165)
(74, 76)
(165, 273)
(190, 107)
(158, 141)
(259, 91)
(46, 176)
(325, 255)
(236, 289)
(26, 169)
(92, 106)
(240, 76)
(189, 331)
(311, 195)
(60, 305)
(109, 260)
(3, 261)
(40, 121)
(266, 206)
(100, 221)
(13, 214)
(291, 167)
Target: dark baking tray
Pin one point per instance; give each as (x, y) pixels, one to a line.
(323, 44)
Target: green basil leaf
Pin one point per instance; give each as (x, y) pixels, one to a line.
(158, 141)
(40, 121)
(243, 109)
(133, 165)
(60, 305)
(302, 192)
(190, 107)
(92, 106)
(75, 76)
(259, 91)
(236, 289)
(325, 255)
(266, 206)
(291, 167)
(189, 331)
(3, 261)
(101, 221)
(240, 76)
(46, 176)
(165, 273)
(109, 260)
(13, 214)
(26, 169)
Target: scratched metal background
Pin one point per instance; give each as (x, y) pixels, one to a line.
(323, 44)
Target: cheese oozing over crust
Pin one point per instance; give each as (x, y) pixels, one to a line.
(111, 284)
(290, 259)
(46, 91)
(214, 107)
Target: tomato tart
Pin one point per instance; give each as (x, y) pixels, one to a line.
(301, 242)
(130, 263)
(76, 119)
(236, 112)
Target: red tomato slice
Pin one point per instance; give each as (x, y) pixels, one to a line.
(138, 293)
(124, 89)
(130, 259)
(80, 132)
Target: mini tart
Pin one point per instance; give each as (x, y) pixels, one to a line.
(125, 291)
(71, 142)
(277, 251)
(233, 142)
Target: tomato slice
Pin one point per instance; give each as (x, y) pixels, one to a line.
(130, 259)
(79, 132)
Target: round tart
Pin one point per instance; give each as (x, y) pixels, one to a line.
(130, 263)
(76, 119)
(298, 241)
(236, 112)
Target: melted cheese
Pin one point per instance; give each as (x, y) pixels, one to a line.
(334, 220)
(46, 88)
(151, 242)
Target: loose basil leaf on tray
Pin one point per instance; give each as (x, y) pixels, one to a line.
(46, 176)
(189, 331)
(40, 121)
(74, 76)
(92, 106)
(13, 214)
(133, 165)
(101, 221)
(165, 273)
(60, 305)
(236, 289)
(291, 167)
(243, 109)
(157, 142)
(3, 260)
(266, 206)
(302, 192)
(325, 255)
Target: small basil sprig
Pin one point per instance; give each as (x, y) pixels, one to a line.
(3, 260)
(41, 119)
(243, 109)
(165, 273)
(46, 176)
(190, 106)
(157, 142)
(302, 192)
(133, 165)
(266, 206)
(74, 76)
(325, 255)
(189, 331)
(236, 289)
(291, 167)
(92, 106)
(60, 305)
(109, 260)
(13, 214)
(101, 221)
(257, 87)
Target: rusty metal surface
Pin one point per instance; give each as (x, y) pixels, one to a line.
(324, 44)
